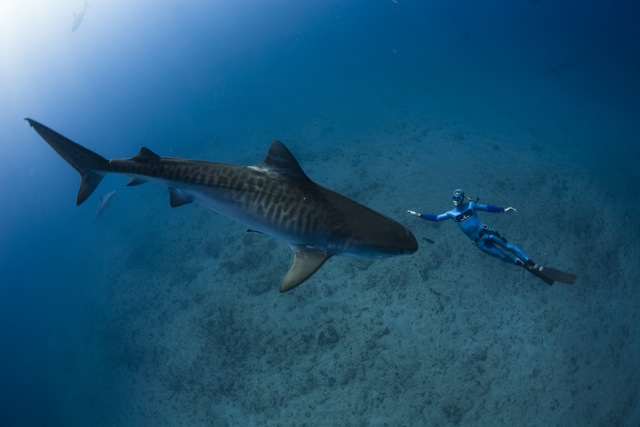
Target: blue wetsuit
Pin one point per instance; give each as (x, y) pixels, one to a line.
(482, 236)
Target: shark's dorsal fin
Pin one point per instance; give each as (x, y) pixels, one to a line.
(279, 159)
(306, 261)
(145, 156)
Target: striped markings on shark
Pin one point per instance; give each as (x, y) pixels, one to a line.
(274, 197)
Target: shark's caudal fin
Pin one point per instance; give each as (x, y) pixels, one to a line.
(90, 165)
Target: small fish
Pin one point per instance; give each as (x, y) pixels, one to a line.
(104, 202)
(78, 16)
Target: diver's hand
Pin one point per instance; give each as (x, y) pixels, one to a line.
(414, 213)
(510, 209)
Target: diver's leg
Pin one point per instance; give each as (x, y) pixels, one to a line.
(486, 245)
(522, 260)
(509, 247)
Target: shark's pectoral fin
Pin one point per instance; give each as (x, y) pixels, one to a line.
(176, 198)
(305, 262)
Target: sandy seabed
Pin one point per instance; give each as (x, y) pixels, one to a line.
(194, 332)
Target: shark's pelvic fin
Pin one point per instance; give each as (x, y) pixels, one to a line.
(136, 181)
(177, 198)
(306, 261)
(90, 165)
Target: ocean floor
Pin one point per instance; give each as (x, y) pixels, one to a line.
(185, 325)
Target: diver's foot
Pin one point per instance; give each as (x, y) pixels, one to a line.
(519, 262)
(538, 271)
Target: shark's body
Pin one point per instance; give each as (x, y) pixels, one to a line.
(274, 197)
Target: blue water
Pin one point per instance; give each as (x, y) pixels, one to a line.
(160, 316)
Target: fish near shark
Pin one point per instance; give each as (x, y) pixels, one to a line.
(274, 197)
(104, 203)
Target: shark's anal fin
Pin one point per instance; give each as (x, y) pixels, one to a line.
(306, 261)
(176, 198)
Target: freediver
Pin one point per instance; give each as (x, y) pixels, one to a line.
(489, 240)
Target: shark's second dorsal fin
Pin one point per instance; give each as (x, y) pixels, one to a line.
(306, 261)
(280, 159)
(145, 156)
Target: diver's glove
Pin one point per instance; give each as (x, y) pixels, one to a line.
(510, 209)
(414, 213)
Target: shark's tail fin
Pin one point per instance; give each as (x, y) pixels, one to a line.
(91, 166)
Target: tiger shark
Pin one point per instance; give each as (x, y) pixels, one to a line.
(274, 197)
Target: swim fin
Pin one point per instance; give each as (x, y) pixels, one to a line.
(550, 275)
(559, 276)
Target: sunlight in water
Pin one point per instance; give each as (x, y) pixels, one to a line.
(31, 33)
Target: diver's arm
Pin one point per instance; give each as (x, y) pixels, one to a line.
(429, 217)
(493, 209)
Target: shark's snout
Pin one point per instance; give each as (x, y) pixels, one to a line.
(398, 242)
(381, 238)
(407, 243)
